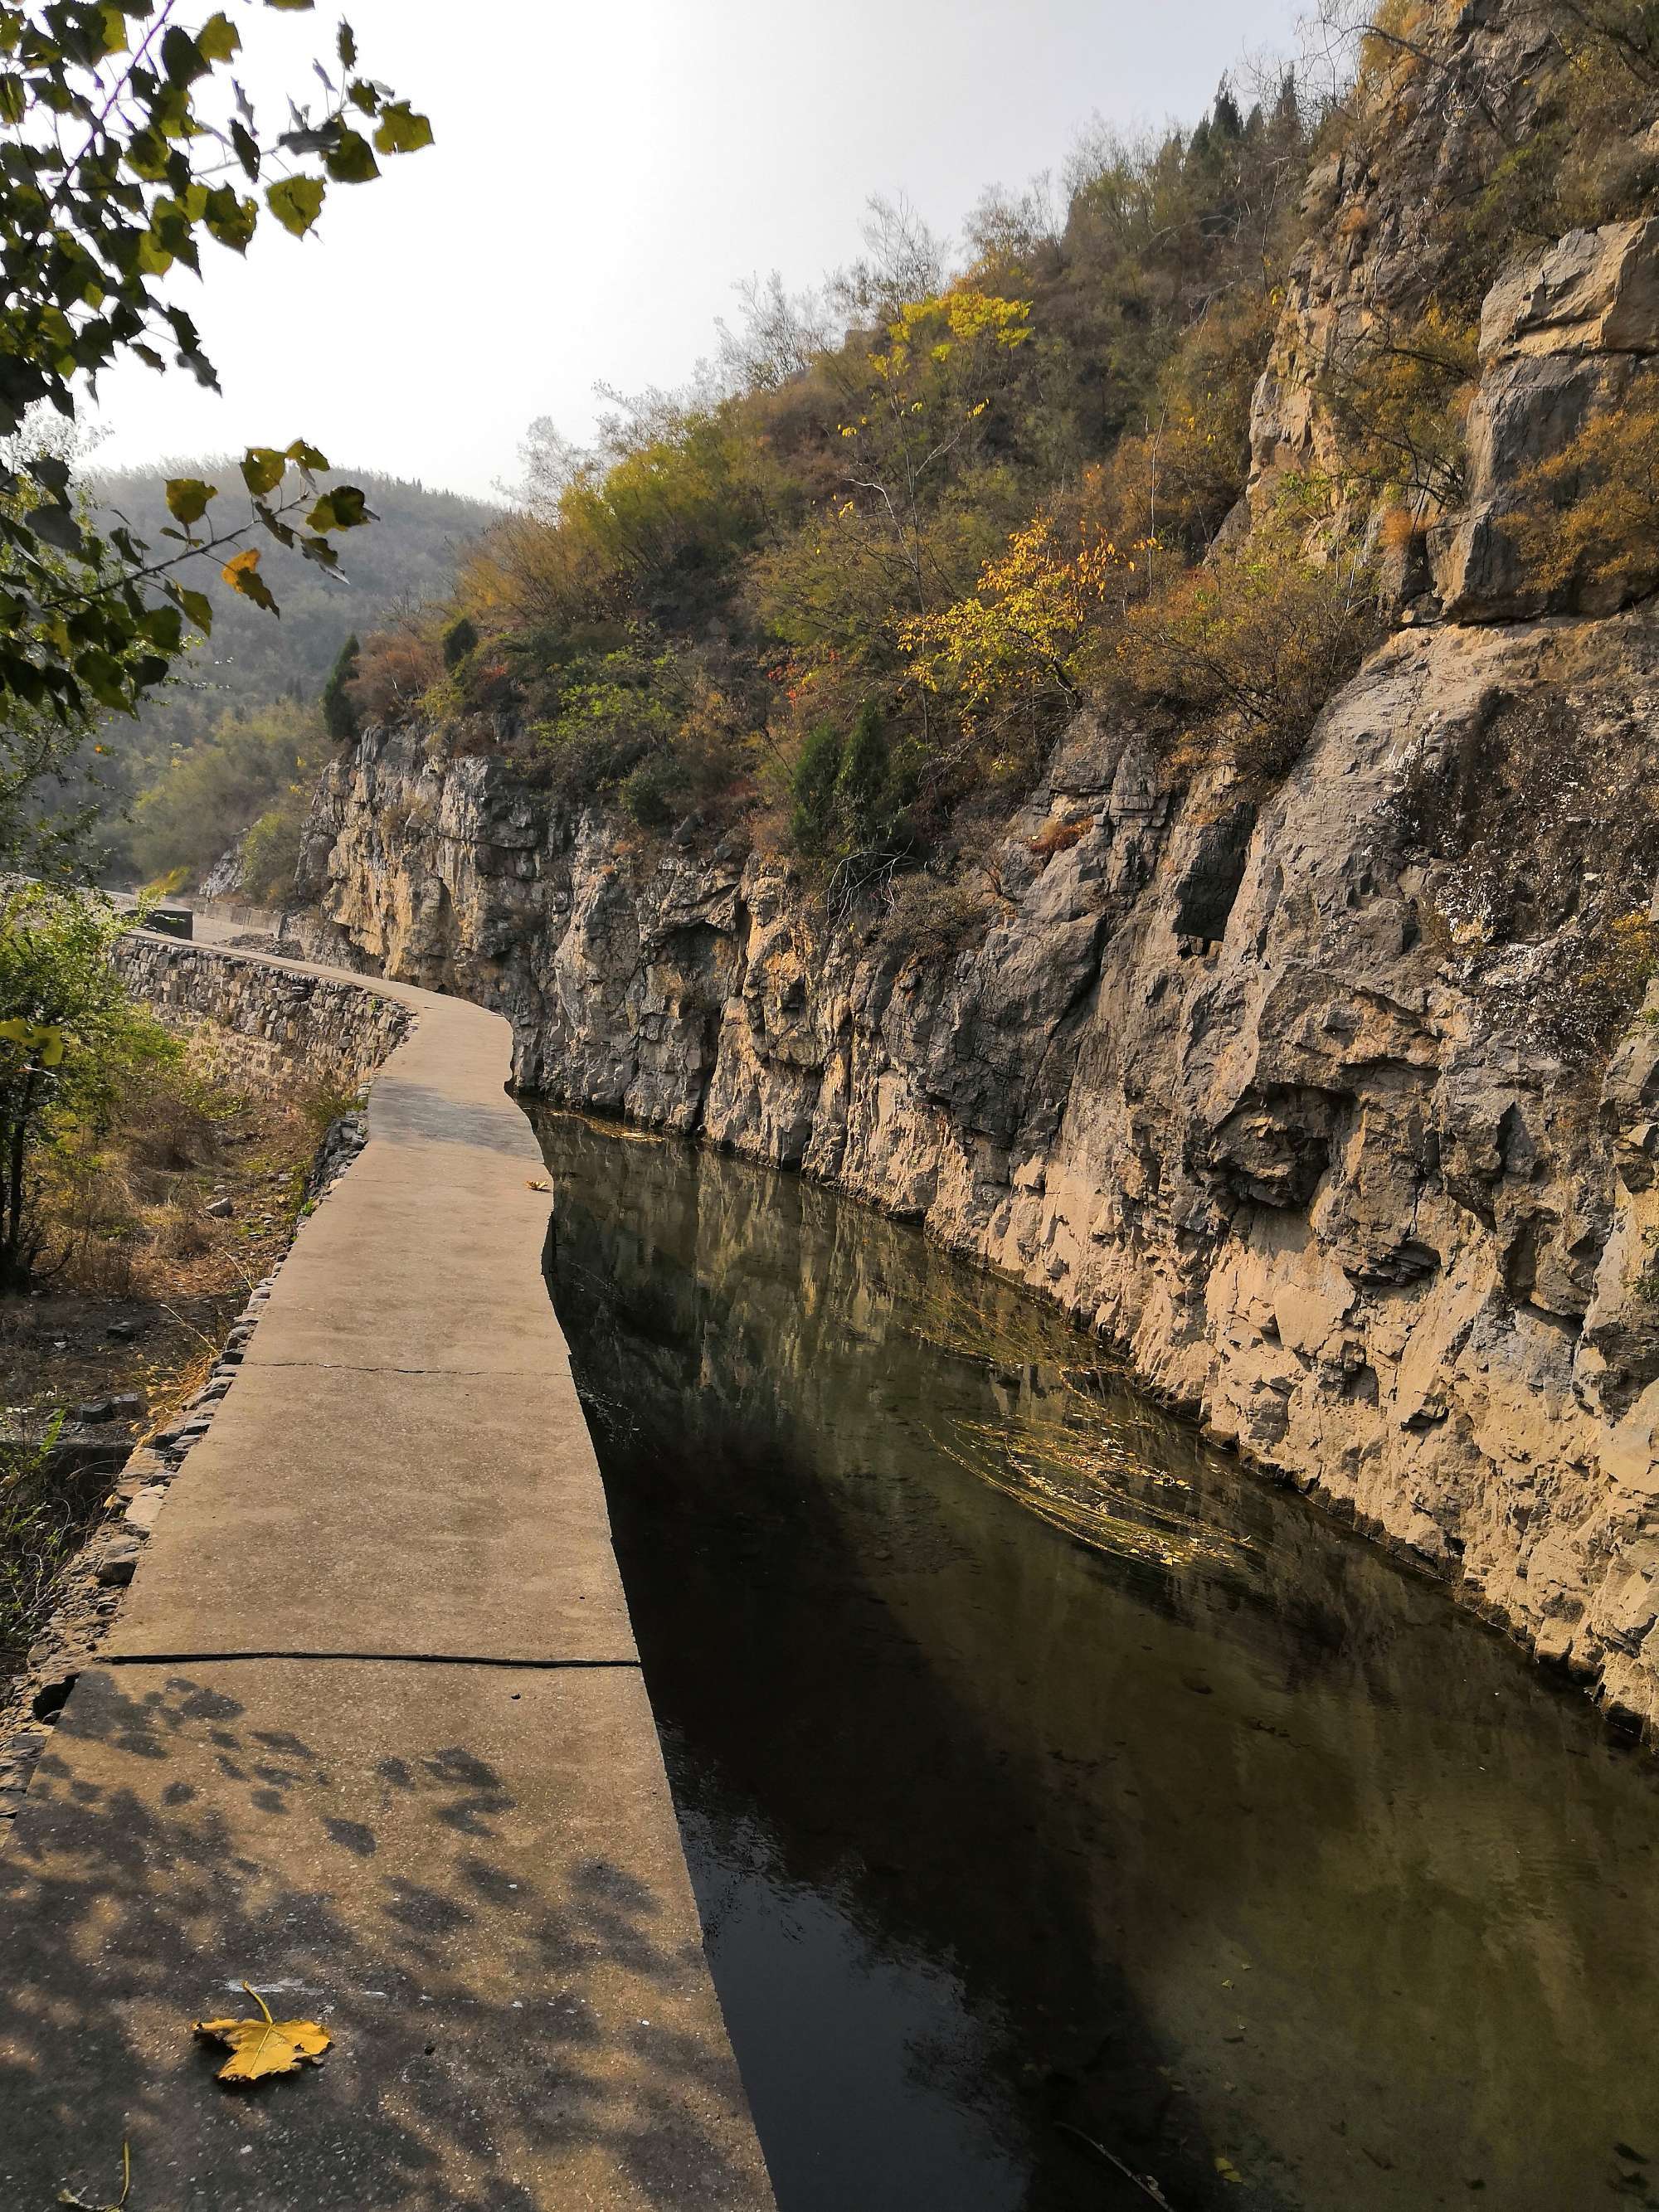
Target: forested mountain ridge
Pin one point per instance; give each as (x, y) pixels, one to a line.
(254, 663)
(409, 556)
(1194, 853)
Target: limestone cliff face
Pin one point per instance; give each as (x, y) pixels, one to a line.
(1295, 1102)
(1327, 1104)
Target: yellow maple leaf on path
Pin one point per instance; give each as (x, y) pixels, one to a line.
(259, 2047)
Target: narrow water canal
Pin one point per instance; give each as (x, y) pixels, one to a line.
(1053, 1788)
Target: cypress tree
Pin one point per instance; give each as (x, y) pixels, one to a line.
(863, 788)
(339, 708)
(813, 789)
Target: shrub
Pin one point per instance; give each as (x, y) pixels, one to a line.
(611, 710)
(69, 1037)
(396, 668)
(1253, 645)
(1587, 518)
(812, 787)
(658, 792)
(1620, 960)
(270, 850)
(1057, 837)
(44, 1514)
(460, 638)
(1399, 397)
(932, 919)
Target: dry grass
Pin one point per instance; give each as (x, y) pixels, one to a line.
(1089, 1462)
(1058, 837)
(131, 1242)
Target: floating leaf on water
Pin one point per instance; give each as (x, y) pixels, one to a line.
(259, 2047)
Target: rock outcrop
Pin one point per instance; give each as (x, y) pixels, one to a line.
(1333, 1105)
(1303, 1105)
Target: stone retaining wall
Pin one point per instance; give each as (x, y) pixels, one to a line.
(273, 1020)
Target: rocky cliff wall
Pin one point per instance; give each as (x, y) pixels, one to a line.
(1315, 1112)
(272, 1021)
(1334, 1105)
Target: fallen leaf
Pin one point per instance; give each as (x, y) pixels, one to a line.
(67, 2196)
(259, 2047)
(1227, 2170)
(531, 1184)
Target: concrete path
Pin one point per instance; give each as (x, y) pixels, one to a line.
(371, 1733)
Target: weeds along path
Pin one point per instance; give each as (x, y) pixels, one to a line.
(370, 1733)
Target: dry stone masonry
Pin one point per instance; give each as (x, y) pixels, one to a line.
(273, 1024)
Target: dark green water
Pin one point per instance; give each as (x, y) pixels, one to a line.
(1218, 1839)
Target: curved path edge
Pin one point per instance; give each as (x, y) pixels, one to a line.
(370, 1733)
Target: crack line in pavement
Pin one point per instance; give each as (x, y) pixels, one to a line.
(378, 1658)
(376, 1367)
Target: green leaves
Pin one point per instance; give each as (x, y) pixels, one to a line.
(196, 605)
(263, 469)
(218, 40)
(230, 218)
(58, 526)
(345, 507)
(402, 131)
(351, 161)
(102, 200)
(188, 497)
(296, 202)
(182, 58)
(44, 1040)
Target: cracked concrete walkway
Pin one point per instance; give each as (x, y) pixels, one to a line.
(370, 1733)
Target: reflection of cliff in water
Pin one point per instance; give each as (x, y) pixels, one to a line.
(1214, 1836)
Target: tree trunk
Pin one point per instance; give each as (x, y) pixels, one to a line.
(13, 1266)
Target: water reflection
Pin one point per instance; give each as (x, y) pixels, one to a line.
(1056, 1793)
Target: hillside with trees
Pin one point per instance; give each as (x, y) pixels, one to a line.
(236, 728)
(850, 584)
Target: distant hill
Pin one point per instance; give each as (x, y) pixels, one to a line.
(254, 659)
(407, 556)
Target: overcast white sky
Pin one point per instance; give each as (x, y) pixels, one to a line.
(602, 178)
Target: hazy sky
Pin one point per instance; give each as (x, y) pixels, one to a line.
(602, 178)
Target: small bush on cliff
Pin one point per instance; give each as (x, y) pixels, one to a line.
(1587, 518)
(1399, 397)
(1618, 961)
(933, 918)
(1252, 645)
(396, 668)
(270, 850)
(612, 713)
